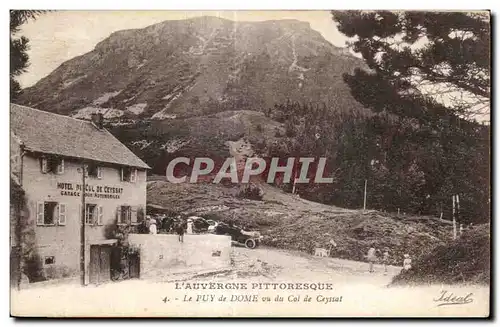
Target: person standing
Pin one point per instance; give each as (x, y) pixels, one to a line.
(385, 259)
(371, 257)
(180, 231)
(189, 227)
(165, 224)
(407, 262)
(331, 245)
(152, 227)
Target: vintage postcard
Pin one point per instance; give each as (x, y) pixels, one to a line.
(250, 163)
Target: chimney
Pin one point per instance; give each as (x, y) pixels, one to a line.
(97, 119)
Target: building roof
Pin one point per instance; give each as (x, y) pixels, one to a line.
(46, 132)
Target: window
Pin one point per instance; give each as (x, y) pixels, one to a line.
(52, 165)
(93, 171)
(90, 213)
(49, 213)
(49, 210)
(124, 214)
(50, 260)
(128, 174)
(93, 214)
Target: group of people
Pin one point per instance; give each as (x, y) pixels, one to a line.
(373, 256)
(152, 225)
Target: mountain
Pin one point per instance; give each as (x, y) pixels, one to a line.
(203, 87)
(198, 66)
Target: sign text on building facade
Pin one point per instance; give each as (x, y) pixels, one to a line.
(94, 191)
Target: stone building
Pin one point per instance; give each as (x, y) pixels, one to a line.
(52, 156)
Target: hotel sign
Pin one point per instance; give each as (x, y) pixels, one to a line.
(91, 191)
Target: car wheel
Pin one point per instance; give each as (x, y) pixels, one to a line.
(251, 244)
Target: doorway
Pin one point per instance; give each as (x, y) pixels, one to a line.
(100, 267)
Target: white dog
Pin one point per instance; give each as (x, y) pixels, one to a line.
(321, 252)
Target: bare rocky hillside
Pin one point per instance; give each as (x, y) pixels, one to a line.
(196, 66)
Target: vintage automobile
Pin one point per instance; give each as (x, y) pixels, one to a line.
(251, 239)
(212, 224)
(200, 224)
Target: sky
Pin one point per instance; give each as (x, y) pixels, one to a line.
(58, 36)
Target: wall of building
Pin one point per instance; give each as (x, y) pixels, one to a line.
(63, 242)
(163, 254)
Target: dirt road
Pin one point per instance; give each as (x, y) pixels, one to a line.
(274, 264)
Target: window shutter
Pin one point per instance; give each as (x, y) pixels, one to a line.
(99, 215)
(95, 215)
(133, 175)
(60, 167)
(133, 218)
(99, 173)
(39, 213)
(43, 164)
(62, 214)
(118, 215)
(129, 215)
(121, 171)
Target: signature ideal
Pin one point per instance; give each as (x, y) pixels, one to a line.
(449, 298)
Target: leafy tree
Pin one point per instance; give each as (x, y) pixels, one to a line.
(19, 60)
(431, 71)
(416, 55)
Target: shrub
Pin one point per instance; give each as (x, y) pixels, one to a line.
(260, 145)
(466, 260)
(252, 192)
(290, 129)
(279, 117)
(33, 268)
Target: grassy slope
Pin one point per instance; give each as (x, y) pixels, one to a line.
(465, 260)
(289, 222)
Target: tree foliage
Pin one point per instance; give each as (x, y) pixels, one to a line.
(417, 57)
(408, 166)
(428, 79)
(19, 46)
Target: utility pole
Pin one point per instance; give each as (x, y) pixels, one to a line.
(364, 202)
(453, 214)
(82, 229)
(457, 200)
